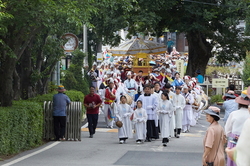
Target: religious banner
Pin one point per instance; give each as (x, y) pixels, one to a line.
(180, 67)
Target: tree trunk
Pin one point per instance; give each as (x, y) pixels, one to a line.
(199, 51)
(7, 69)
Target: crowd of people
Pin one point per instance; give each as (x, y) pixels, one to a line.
(161, 103)
(162, 106)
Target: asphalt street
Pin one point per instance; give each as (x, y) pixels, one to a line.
(104, 150)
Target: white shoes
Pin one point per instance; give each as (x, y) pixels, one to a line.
(121, 142)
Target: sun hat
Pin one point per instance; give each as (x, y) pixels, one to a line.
(212, 110)
(243, 98)
(61, 88)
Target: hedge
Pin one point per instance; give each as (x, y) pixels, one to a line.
(21, 127)
(72, 94)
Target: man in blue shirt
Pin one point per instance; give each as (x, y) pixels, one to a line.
(170, 45)
(199, 77)
(60, 102)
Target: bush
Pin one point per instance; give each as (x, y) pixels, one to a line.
(216, 98)
(21, 127)
(246, 70)
(72, 94)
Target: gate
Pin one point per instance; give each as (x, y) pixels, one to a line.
(73, 123)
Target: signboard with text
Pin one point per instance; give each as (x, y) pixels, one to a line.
(219, 83)
(180, 67)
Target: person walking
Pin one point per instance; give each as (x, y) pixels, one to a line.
(150, 103)
(109, 96)
(187, 111)
(123, 113)
(214, 139)
(92, 103)
(60, 102)
(240, 154)
(179, 103)
(165, 109)
(140, 119)
(236, 121)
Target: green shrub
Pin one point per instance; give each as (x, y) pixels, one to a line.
(21, 127)
(246, 70)
(216, 98)
(72, 94)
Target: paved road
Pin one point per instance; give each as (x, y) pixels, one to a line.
(104, 150)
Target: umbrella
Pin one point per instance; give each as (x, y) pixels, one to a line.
(135, 46)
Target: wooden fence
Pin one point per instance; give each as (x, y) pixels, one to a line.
(73, 124)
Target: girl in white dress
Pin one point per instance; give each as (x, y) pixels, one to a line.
(123, 113)
(140, 119)
(165, 111)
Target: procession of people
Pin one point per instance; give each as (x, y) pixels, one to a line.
(162, 105)
(158, 105)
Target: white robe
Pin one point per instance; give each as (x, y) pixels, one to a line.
(156, 115)
(128, 84)
(165, 111)
(179, 103)
(172, 119)
(140, 120)
(149, 103)
(188, 111)
(123, 113)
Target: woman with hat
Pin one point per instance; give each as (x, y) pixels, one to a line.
(240, 154)
(123, 113)
(214, 139)
(236, 121)
(229, 105)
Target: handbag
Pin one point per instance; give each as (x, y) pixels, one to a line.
(212, 163)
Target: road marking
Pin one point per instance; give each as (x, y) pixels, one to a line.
(84, 126)
(102, 130)
(32, 154)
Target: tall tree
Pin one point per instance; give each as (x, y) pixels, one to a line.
(31, 46)
(210, 27)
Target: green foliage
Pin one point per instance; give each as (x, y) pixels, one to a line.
(72, 94)
(216, 98)
(246, 71)
(21, 127)
(74, 79)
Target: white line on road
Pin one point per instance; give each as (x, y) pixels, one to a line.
(32, 154)
(84, 126)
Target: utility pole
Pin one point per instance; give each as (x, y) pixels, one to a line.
(85, 44)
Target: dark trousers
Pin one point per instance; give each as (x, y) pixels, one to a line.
(92, 122)
(170, 49)
(151, 130)
(59, 126)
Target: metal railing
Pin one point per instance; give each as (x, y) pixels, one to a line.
(73, 124)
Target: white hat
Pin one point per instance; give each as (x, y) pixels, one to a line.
(185, 87)
(129, 73)
(94, 64)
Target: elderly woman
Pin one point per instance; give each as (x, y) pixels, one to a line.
(240, 154)
(214, 139)
(229, 105)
